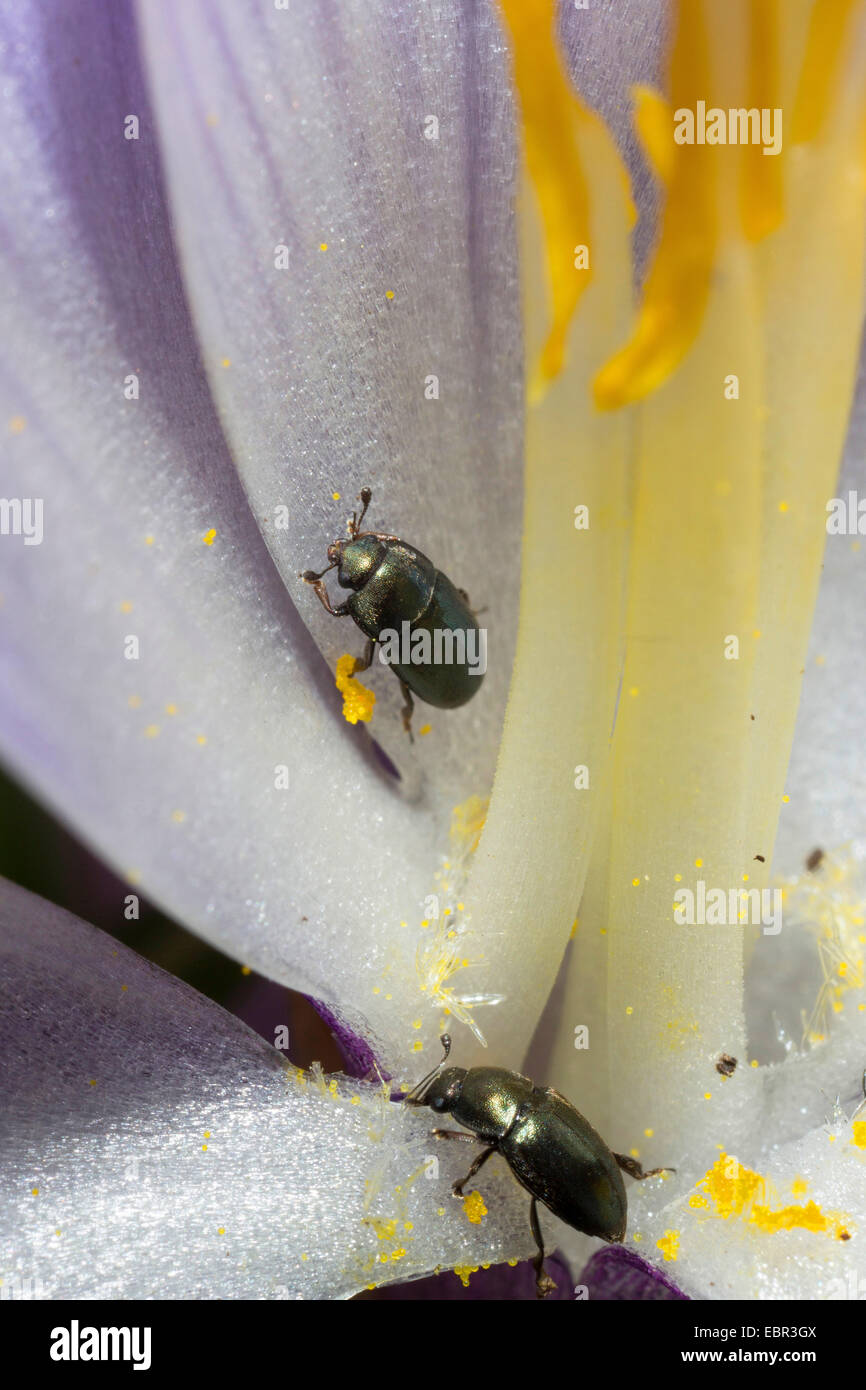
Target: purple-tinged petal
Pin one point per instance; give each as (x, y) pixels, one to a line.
(502, 1283)
(342, 182)
(616, 1273)
(157, 680)
(153, 1146)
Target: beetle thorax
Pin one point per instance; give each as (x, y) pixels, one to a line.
(490, 1100)
(359, 559)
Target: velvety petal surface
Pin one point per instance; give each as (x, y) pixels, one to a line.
(159, 688)
(153, 1146)
(341, 179)
(826, 775)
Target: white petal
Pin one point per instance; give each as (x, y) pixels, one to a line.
(304, 129)
(154, 1147)
(732, 1257)
(825, 811)
(828, 760)
(166, 764)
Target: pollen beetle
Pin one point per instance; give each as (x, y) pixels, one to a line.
(401, 597)
(550, 1148)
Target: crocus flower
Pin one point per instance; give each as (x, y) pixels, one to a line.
(255, 258)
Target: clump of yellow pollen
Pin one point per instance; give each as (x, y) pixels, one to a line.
(473, 1205)
(358, 701)
(669, 1245)
(733, 1189)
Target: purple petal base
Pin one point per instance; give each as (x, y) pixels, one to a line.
(499, 1283)
(616, 1273)
(357, 1053)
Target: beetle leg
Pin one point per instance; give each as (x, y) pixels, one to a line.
(318, 584)
(456, 1134)
(467, 600)
(366, 661)
(543, 1282)
(457, 1187)
(634, 1170)
(407, 710)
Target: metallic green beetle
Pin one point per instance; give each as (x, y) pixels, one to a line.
(551, 1149)
(398, 590)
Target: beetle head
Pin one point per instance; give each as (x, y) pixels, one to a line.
(444, 1090)
(357, 559)
(440, 1088)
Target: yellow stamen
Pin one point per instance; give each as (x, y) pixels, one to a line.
(552, 120)
(824, 52)
(761, 182)
(653, 123)
(678, 284)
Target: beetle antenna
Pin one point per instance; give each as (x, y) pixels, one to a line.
(415, 1096)
(364, 496)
